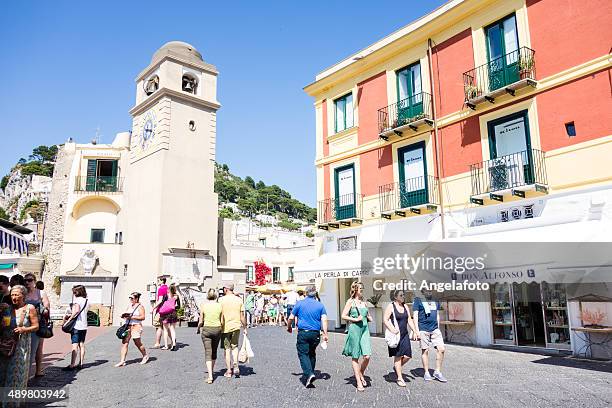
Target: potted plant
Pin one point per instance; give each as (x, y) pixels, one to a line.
(471, 92)
(526, 64)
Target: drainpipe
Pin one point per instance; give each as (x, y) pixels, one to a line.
(436, 136)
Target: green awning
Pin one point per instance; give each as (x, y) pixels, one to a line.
(6, 266)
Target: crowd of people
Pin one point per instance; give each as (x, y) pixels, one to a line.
(25, 312)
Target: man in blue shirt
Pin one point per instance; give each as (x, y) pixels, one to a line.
(425, 313)
(311, 319)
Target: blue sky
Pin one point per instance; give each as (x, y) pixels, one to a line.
(68, 67)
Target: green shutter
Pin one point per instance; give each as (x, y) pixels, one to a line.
(113, 181)
(92, 170)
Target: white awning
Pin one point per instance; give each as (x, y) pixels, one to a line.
(332, 265)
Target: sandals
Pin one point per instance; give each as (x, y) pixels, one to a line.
(120, 364)
(164, 348)
(236, 371)
(145, 359)
(228, 373)
(209, 381)
(401, 383)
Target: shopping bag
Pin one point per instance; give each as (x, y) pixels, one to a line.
(243, 355)
(247, 345)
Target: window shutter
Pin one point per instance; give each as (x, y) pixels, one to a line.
(92, 170)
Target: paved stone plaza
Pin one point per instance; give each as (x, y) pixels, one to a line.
(477, 378)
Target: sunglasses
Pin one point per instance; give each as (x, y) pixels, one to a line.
(131, 298)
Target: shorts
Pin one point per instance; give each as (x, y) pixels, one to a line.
(78, 336)
(136, 331)
(230, 340)
(431, 339)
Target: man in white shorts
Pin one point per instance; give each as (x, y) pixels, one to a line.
(425, 313)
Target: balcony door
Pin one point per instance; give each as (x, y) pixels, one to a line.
(502, 52)
(409, 93)
(412, 175)
(510, 149)
(344, 180)
(101, 175)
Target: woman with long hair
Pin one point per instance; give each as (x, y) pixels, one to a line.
(210, 323)
(37, 298)
(14, 370)
(134, 316)
(397, 319)
(357, 344)
(79, 307)
(169, 318)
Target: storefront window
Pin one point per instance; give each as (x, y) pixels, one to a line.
(556, 319)
(502, 314)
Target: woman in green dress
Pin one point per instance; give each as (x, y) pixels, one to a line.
(357, 343)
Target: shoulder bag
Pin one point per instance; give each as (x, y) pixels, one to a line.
(68, 327)
(9, 344)
(124, 329)
(45, 326)
(168, 306)
(391, 338)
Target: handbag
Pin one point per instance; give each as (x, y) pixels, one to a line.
(391, 338)
(45, 327)
(9, 344)
(123, 330)
(68, 327)
(168, 306)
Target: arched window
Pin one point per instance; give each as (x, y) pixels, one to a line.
(151, 85)
(190, 83)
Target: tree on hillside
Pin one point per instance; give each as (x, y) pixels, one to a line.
(3, 214)
(249, 181)
(260, 184)
(44, 154)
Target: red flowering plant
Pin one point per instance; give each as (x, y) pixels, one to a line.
(262, 271)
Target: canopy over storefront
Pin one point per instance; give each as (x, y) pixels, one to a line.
(11, 239)
(272, 288)
(343, 264)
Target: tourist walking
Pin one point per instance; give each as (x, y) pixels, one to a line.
(291, 300)
(210, 326)
(134, 316)
(37, 298)
(232, 314)
(162, 295)
(15, 370)
(259, 308)
(249, 308)
(169, 318)
(427, 325)
(273, 310)
(311, 319)
(357, 343)
(397, 319)
(79, 308)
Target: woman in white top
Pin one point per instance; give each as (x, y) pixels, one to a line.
(134, 316)
(79, 308)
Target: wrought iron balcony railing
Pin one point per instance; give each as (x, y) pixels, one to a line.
(499, 74)
(98, 184)
(408, 112)
(345, 207)
(410, 193)
(509, 172)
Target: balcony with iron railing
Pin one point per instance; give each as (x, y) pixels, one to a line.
(418, 195)
(512, 175)
(343, 211)
(98, 184)
(503, 75)
(409, 113)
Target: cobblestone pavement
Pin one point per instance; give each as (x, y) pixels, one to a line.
(477, 378)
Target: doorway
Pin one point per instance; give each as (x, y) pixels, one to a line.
(529, 314)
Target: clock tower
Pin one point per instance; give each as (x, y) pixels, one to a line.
(170, 212)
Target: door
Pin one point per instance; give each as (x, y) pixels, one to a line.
(409, 94)
(511, 163)
(502, 52)
(412, 175)
(529, 316)
(501, 309)
(345, 192)
(107, 175)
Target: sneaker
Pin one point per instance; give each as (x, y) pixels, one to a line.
(427, 377)
(310, 380)
(144, 359)
(438, 376)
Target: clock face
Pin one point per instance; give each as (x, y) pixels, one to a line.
(148, 129)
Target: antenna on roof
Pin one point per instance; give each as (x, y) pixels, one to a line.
(97, 138)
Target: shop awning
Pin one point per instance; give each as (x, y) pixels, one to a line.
(13, 241)
(343, 264)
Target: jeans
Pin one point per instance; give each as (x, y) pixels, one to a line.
(307, 342)
(249, 317)
(289, 311)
